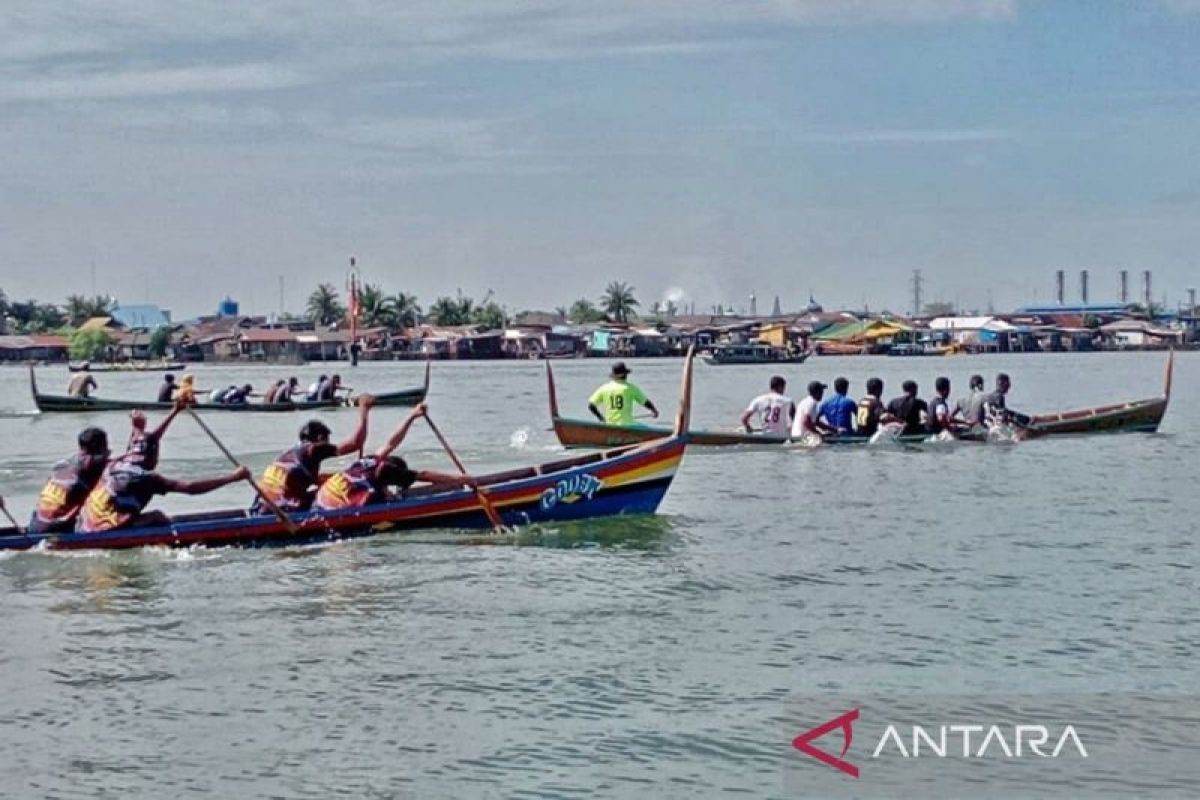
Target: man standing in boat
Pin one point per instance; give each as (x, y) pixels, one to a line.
(775, 410)
(82, 382)
(290, 480)
(71, 480)
(368, 480)
(617, 398)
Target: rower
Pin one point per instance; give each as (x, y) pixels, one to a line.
(237, 397)
(910, 410)
(314, 389)
(378, 478)
(870, 409)
(775, 409)
(807, 422)
(142, 449)
(838, 411)
(119, 499)
(329, 388)
(82, 382)
(288, 391)
(289, 480)
(166, 392)
(187, 390)
(70, 482)
(939, 408)
(995, 409)
(969, 409)
(272, 391)
(618, 397)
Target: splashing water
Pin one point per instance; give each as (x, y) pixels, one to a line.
(519, 439)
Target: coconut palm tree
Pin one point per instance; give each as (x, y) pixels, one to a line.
(323, 306)
(447, 311)
(375, 307)
(80, 309)
(618, 301)
(584, 311)
(405, 310)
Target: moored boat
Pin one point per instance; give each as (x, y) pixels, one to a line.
(754, 354)
(128, 366)
(62, 403)
(1137, 416)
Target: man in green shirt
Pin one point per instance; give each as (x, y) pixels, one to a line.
(613, 402)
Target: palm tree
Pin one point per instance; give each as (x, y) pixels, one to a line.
(584, 311)
(80, 309)
(375, 307)
(405, 310)
(561, 311)
(618, 301)
(323, 306)
(446, 311)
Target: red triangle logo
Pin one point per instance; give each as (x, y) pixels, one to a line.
(803, 742)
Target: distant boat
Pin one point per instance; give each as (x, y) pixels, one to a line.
(128, 366)
(754, 354)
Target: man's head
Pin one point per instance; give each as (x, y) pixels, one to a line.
(1003, 383)
(168, 378)
(187, 379)
(816, 390)
(293, 381)
(247, 388)
(619, 371)
(93, 441)
(778, 384)
(942, 385)
(909, 388)
(138, 420)
(337, 380)
(314, 432)
(875, 387)
(394, 471)
(976, 383)
(841, 386)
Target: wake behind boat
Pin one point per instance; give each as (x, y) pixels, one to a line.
(1136, 416)
(63, 403)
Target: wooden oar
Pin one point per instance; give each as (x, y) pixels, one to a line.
(276, 510)
(16, 524)
(484, 502)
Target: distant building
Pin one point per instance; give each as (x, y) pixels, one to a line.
(147, 317)
(227, 307)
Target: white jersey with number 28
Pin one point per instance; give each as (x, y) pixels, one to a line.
(775, 410)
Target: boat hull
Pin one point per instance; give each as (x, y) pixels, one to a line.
(621, 482)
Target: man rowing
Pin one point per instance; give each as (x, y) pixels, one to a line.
(807, 423)
(995, 408)
(123, 492)
(291, 479)
(329, 388)
(909, 410)
(166, 391)
(838, 411)
(774, 409)
(870, 409)
(82, 382)
(618, 398)
(373, 479)
(70, 482)
(940, 416)
(969, 409)
(143, 446)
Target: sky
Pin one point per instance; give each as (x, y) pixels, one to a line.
(704, 150)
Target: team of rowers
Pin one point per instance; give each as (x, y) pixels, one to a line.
(817, 417)
(323, 389)
(91, 491)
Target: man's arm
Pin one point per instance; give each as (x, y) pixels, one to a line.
(204, 485)
(595, 411)
(158, 432)
(746, 419)
(649, 405)
(359, 438)
(396, 438)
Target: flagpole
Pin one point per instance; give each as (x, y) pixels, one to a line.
(353, 347)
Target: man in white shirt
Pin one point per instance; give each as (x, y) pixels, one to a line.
(775, 409)
(807, 423)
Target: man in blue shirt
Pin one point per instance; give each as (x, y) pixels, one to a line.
(838, 410)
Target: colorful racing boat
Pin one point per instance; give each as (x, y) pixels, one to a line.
(47, 403)
(628, 480)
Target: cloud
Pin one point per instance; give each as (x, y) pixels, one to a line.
(934, 136)
(150, 82)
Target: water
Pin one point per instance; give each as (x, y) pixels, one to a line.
(633, 658)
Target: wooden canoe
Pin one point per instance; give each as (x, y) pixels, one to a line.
(1138, 416)
(628, 480)
(62, 403)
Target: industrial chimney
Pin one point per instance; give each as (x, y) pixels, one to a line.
(1058, 287)
(1146, 289)
(1192, 302)
(1124, 287)
(1083, 286)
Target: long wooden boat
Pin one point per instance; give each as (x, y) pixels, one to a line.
(62, 403)
(1137, 416)
(725, 354)
(628, 480)
(129, 366)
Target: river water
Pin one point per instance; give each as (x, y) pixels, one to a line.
(649, 657)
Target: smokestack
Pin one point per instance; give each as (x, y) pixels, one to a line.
(1083, 287)
(1058, 287)
(1146, 295)
(1192, 301)
(1124, 287)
